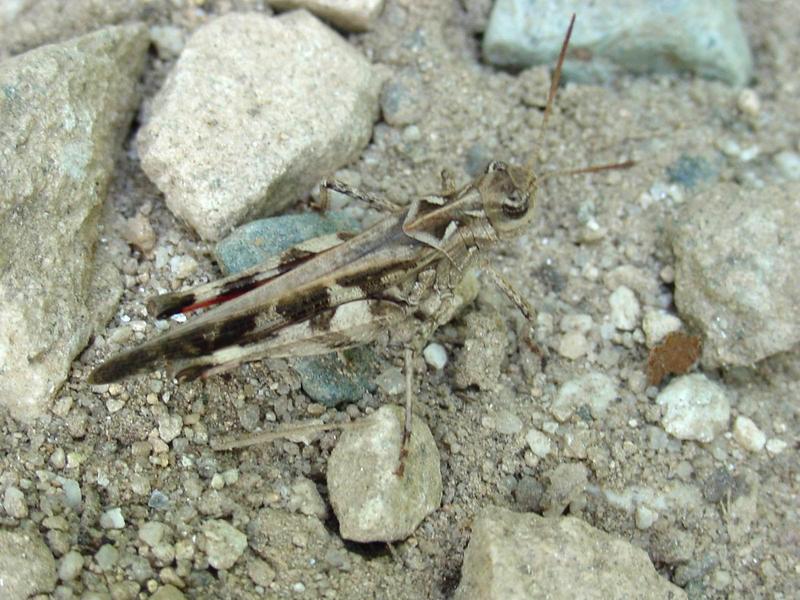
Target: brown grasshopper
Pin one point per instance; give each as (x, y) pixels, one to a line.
(338, 291)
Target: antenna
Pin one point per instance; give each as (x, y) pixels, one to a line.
(593, 169)
(551, 96)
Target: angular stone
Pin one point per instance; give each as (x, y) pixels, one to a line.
(705, 38)
(515, 556)
(370, 500)
(26, 566)
(350, 15)
(255, 111)
(736, 275)
(64, 110)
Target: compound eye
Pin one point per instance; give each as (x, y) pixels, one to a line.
(515, 205)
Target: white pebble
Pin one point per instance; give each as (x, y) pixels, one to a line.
(579, 322)
(507, 423)
(695, 408)
(169, 427)
(435, 355)
(573, 345)
(748, 435)
(538, 442)
(182, 266)
(789, 164)
(657, 324)
(112, 519)
(14, 503)
(625, 308)
(645, 517)
(776, 446)
(749, 102)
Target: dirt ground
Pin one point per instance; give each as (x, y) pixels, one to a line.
(476, 113)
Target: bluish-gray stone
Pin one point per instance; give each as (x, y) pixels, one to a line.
(258, 240)
(705, 38)
(330, 379)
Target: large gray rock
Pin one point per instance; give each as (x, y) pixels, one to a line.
(737, 271)
(256, 111)
(522, 555)
(26, 565)
(705, 38)
(64, 109)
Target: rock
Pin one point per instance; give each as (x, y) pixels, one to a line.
(153, 533)
(573, 345)
(285, 101)
(789, 164)
(350, 15)
(596, 390)
(26, 566)
(507, 423)
(657, 324)
(169, 427)
(695, 408)
(63, 114)
(257, 241)
(14, 503)
(305, 499)
(736, 279)
(775, 446)
(567, 487)
(538, 442)
(26, 25)
(71, 566)
(609, 37)
(371, 502)
(748, 435)
(224, 543)
(514, 556)
(485, 346)
(112, 519)
(331, 379)
(625, 308)
(435, 355)
(168, 592)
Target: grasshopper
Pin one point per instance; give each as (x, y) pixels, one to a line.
(337, 291)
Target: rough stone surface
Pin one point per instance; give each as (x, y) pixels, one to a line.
(633, 35)
(371, 502)
(657, 324)
(224, 543)
(63, 113)
(594, 390)
(284, 101)
(522, 555)
(695, 408)
(748, 435)
(736, 276)
(25, 25)
(26, 565)
(350, 15)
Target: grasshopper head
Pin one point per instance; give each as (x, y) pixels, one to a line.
(508, 193)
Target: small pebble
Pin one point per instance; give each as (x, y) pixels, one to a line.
(789, 164)
(580, 322)
(748, 435)
(14, 503)
(507, 423)
(657, 324)
(71, 566)
(106, 557)
(152, 533)
(435, 355)
(169, 427)
(224, 543)
(645, 517)
(776, 446)
(625, 308)
(138, 232)
(695, 408)
(538, 442)
(749, 102)
(182, 266)
(392, 381)
(112, 519)
(158, 500)
(573, 345)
